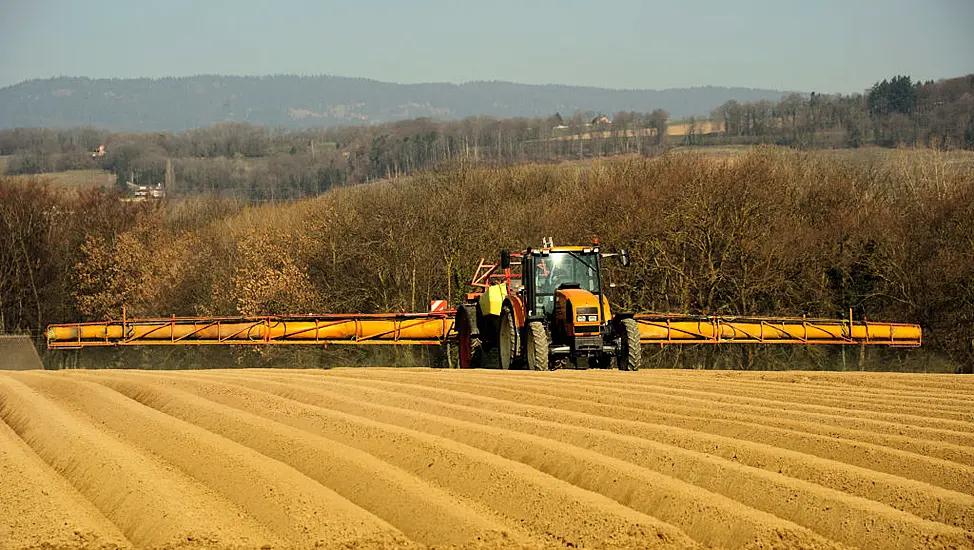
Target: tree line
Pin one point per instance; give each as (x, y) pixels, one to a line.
(776, 231)
(894, 112)
(263, 164)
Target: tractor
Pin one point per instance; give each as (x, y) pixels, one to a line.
(542, 307)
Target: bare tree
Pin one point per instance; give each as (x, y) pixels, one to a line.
(577, 127)
(658, 122)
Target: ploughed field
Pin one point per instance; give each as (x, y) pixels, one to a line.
(403, 458)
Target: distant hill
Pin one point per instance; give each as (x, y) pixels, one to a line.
(175, 104)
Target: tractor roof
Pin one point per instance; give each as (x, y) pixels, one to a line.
(584, 249)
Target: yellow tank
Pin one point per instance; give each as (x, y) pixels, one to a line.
(492, 300)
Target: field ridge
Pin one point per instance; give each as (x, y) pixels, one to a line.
(424, 458)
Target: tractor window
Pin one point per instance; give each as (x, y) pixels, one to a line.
(563, 267)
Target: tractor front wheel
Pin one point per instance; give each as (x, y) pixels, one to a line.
(537, 346)
(630, 353)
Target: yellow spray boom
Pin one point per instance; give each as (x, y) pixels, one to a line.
(393, 328)
(441, 325)
(438, 327)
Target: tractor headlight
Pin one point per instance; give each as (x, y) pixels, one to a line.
(579, 318)
(593, 318)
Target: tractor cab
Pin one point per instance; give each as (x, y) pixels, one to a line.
(563, 291)
(560, 269)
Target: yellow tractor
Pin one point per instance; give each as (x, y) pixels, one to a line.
(542, 306)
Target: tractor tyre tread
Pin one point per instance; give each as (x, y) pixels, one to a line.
(510, 361)
(537, 348)
(631, 352)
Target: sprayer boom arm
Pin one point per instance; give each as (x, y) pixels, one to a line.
(684, 329)
(434, 328)
(382, 328)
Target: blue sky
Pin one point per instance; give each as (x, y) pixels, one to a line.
(825, 45)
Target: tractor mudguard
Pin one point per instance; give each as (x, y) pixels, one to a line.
(517, 307)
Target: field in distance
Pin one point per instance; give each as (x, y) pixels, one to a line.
(73, 179)
(404, 458)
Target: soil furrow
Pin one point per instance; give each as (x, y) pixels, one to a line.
(151, 503)
(946, 474)
(848, 519)
(865, 381)
(449, 459)
(40, 508)
(574, 477)
(401, 499)
(801, 385)
(787, 395)
(682, 504)
(813, 423)
(933, 400)
(918, 498)
(949, 430)
(297, 509)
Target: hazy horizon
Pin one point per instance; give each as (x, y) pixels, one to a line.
(829, 46)
(381, 81)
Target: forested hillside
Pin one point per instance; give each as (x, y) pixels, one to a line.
(175, 104)
(258, 163)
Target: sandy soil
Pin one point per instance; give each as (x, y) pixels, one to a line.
(419, 458)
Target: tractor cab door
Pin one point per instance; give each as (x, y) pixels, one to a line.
(532, 304)
(540, 284)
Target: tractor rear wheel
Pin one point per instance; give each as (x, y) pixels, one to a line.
(630, 352)
(537, 346)
(507, 342)
(468, 346)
